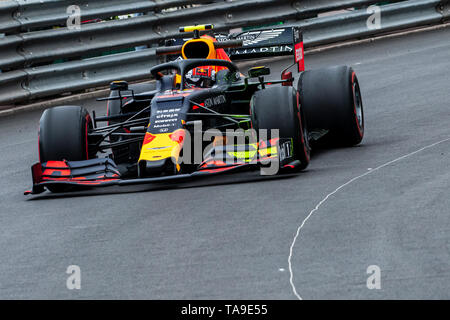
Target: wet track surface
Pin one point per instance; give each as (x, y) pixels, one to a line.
(230, 237)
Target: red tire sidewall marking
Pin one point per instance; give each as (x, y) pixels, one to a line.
(354, 105)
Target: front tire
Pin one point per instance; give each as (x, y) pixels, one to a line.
(63, 134)
(277, 107)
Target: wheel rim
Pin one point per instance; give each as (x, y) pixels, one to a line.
(358, 106)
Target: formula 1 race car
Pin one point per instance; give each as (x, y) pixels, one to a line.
(202, 117)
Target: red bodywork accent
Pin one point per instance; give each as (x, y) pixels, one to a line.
(287, 76)
(178, 136)
(60, 171)
(299, 55)
(148, 138)
(216, 170)
(202, 71)
(216, 166)
(273, 142)
(197, 107)
(174, 95)
(36, 172)
(213, 163)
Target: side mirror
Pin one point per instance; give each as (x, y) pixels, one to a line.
(119, 85)
(257, 72)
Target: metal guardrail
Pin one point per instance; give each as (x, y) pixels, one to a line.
(353, 25)
(20, 15)
(21, 53)
(31, 48)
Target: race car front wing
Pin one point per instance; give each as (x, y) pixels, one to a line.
(102, 172)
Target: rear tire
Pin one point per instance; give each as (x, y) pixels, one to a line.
(331, 100)
(277, 107)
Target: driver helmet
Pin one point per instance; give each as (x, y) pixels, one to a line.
(201, 77)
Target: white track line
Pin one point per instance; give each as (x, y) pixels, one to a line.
(291, 279)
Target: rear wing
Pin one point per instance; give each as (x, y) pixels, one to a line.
(269, 43)
(253, 44)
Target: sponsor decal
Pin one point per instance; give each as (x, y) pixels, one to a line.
(254, 37)
(299, 49)
(268, 50)
(202, 72)
(215, 101)
(165, 119)
(285, 150)
(298, 52)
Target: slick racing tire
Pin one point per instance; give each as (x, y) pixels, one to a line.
(331, 100)
(121, 154)
(277, 107)
(63, 135)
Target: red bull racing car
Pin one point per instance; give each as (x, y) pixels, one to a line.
(202, 117)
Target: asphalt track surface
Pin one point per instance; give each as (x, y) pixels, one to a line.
(231, 237)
